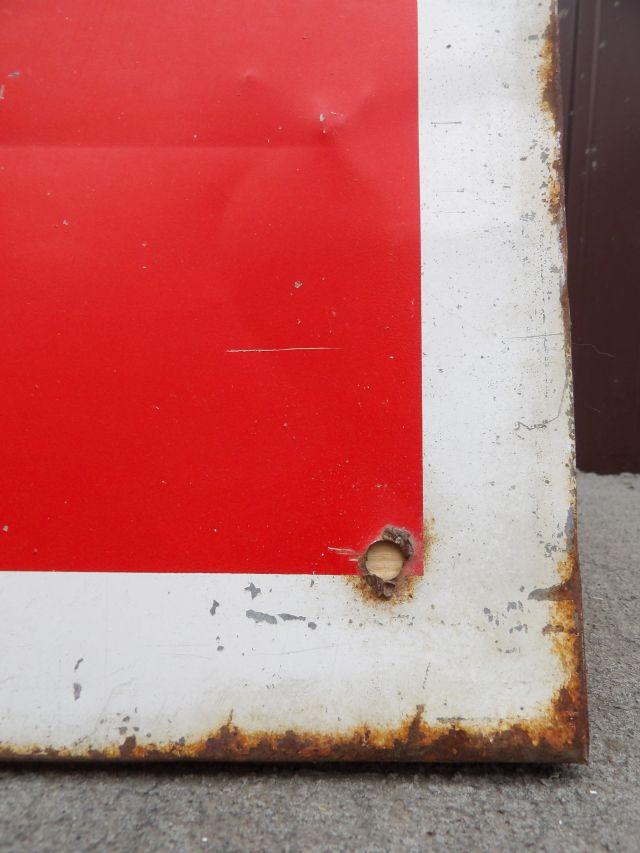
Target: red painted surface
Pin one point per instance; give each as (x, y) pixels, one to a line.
(171, 196)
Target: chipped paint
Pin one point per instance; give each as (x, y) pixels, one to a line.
(259, 617)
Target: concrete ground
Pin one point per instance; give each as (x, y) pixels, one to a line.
(399, 808)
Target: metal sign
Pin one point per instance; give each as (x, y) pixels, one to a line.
(287, 466)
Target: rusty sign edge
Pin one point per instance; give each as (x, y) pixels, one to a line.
(559, 734)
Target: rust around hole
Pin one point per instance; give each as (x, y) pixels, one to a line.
(384, 561)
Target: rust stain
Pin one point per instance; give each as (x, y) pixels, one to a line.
(383, 589)
(375, 591)
(549, 70)
(402, 589)
(565, 631)
(551, 100)
(565, 626)
(559, 734)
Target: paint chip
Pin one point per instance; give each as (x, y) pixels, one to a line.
(261, 617)
(254, 590)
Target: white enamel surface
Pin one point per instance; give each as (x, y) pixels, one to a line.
(82, 652)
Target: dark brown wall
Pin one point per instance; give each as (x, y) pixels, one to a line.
(600, 44)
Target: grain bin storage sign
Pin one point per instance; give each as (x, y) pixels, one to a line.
(286, 456)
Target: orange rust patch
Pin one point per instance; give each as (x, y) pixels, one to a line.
(404, 584)
(548, 72)
(554, 737)
(551, 100)
(559, 734)
(565, 630)
(555, 193)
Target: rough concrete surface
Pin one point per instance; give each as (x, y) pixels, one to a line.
(391, 808)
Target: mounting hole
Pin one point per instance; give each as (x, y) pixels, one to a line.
(384, 560)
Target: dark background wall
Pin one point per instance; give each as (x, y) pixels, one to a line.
(600, 52)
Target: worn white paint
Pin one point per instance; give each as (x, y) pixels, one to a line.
(87, 658)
